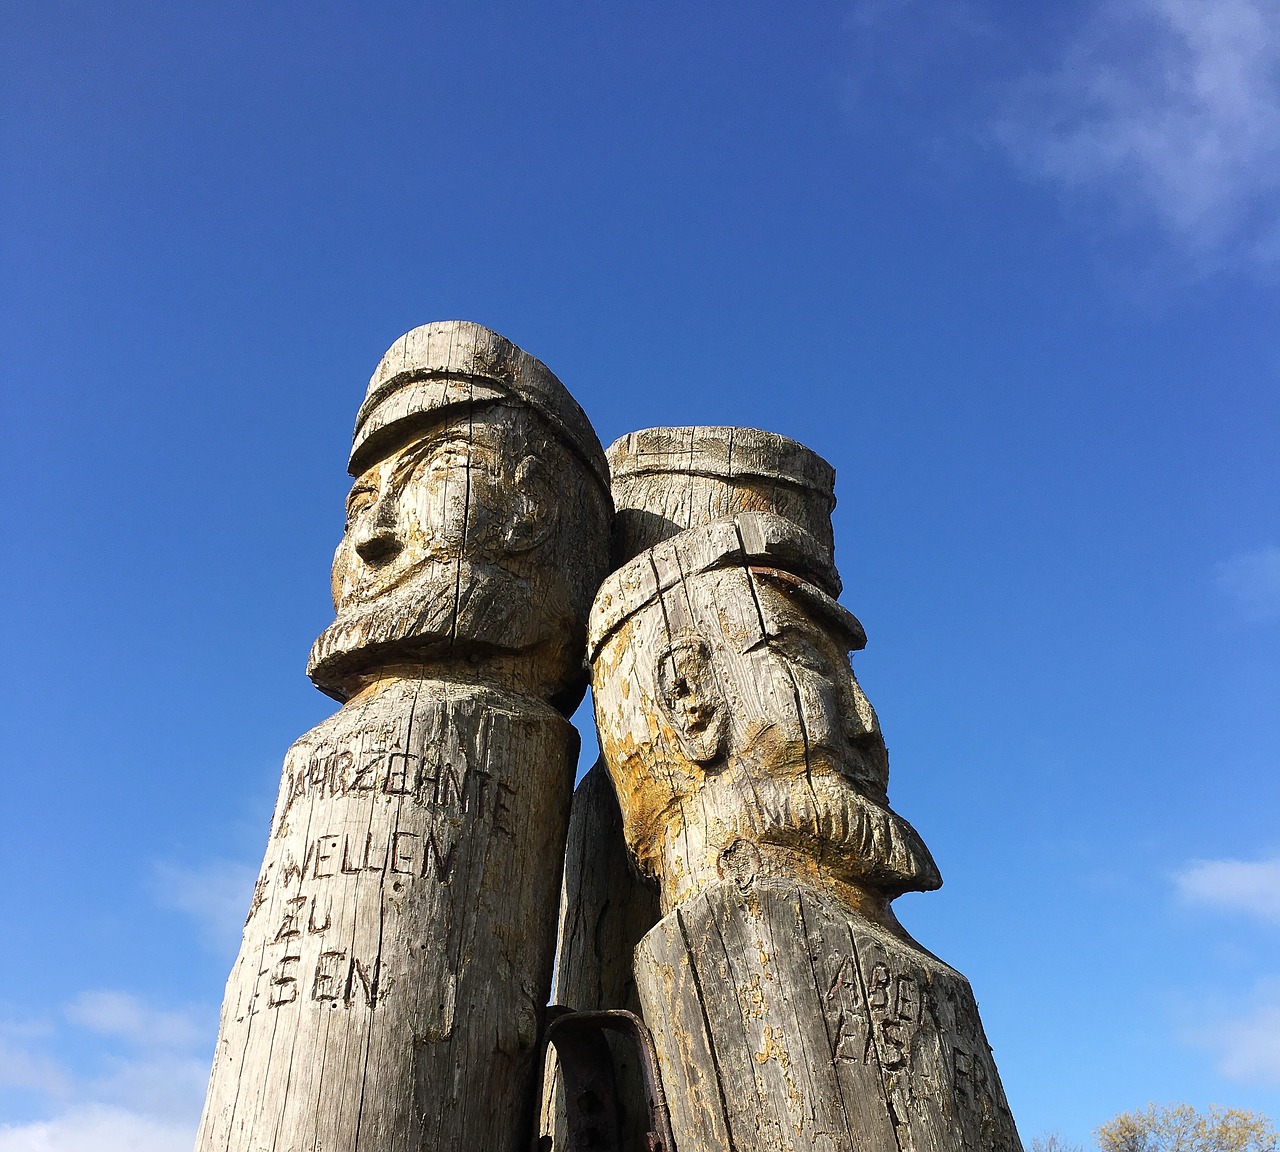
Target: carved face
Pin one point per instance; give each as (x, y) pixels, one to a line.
(728, 712)
(478, 543)
(454, 492)
(838, 727)
(749, 678)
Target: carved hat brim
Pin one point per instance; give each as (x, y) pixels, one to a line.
(725, 453)
(454, 364)
(772, 547)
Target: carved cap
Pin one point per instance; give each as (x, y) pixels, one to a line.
(728, 453)
(666, 480)
(453, 363)
(773, 548)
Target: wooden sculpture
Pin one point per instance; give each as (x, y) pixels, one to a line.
(664, 480)
(790, 1009)
(398, 950)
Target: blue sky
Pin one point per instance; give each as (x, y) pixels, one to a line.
(1012, 269)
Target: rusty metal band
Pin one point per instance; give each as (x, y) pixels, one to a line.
(590, 1085)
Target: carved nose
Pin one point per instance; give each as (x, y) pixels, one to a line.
(375, 535)
(378, 545)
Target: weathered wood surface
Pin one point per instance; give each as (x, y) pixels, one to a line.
(474, 523)
(794, 1024)
(605, 910)
(606, 907)
(398, 953)
(665, 480)
(752, 777)
(728, 715)
(399, 948)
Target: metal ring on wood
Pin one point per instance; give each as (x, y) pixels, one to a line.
(590, 1086)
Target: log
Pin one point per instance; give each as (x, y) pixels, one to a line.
(397, 953)
(398, 949)
(602, 919)
(607, 906)
(668, 479)
(752, 777)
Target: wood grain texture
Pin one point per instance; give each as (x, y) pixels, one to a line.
(790, 1023)
(480, 539)
(389, 984)
(398, 952)
(606, 907)
(790, 1009)
(665, 480)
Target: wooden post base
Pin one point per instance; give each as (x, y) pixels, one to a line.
(397, 955)
(784, 1021)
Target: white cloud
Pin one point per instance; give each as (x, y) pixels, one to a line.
(216, 895)
(22, 1068)
(98, 1129)
(1171, 107)
(132, 1077)
(169, 1088)
(1248, 886)
(1252, 580)
(162, 1076)
(128, 1017)
(1248, 1046)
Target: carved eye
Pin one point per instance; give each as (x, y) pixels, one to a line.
(449, 454)
(359, 500)
(449, 458)
(799, 649)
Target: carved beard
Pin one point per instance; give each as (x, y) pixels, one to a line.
(443, 606)
(823, 817)
(826, 818)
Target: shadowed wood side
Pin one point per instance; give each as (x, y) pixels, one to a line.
(605, 909)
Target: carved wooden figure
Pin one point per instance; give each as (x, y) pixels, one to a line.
(663, 480)
(399, 945)
(790, 1009)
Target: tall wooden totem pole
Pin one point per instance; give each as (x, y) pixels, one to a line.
(398, 951)
(790, 1009)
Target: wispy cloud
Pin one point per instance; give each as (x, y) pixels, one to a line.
(1172, 109)
(216, 895)
(1248, 886)
(1247, 1045)
(126, 1016)
(22, 1068)
(131, 1076)
(1252, 580)
(101, 1129)
(168, 1087)
(113, 1072)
